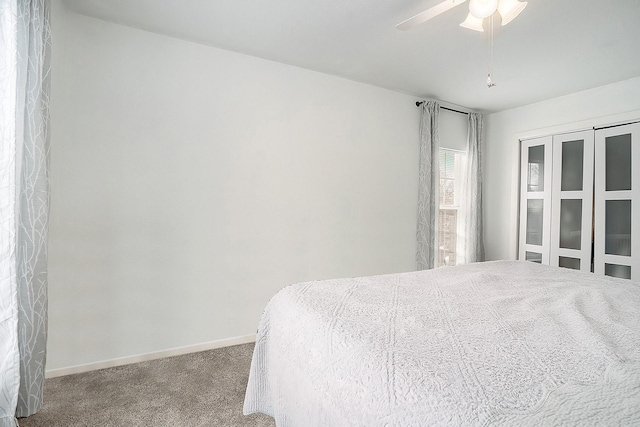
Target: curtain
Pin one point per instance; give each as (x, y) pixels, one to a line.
(25, 40)
(472, 208)
(428, 186)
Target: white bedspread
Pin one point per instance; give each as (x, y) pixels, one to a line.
(497, 343)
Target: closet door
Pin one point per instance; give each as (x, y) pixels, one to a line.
(535, 199)
(617, 202)
(572, 200)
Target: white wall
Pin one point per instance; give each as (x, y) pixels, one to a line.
(189, 184)
(602, 105)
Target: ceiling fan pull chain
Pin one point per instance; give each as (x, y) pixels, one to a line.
(490, 84)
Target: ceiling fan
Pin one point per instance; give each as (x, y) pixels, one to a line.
(478, 10)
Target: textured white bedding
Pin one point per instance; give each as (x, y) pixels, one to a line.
(498, 343)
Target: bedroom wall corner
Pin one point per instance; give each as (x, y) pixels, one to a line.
(597, 106)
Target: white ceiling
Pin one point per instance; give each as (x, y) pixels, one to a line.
(555, 47)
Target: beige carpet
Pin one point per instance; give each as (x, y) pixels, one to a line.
(199, 389)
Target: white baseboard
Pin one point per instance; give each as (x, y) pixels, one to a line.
(228, 342)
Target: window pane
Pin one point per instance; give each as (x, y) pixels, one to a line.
(567, 262)
(447, 164)
(535, 174)
(447, 236)
(570, 223)
(450, 177)
(447, 192)
(617, 227)
(534, 221)
(618, 162)
(451, 168)
(620, 271)
(533, 257)
(572, 161)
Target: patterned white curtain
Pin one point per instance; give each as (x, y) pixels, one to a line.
(428, 187)
(472, 208)
(25, 39)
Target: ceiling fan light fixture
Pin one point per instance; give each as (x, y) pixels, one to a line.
(483, 8)
(509, 9)
(473, 23)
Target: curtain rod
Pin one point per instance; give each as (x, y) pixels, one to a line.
(419, 103)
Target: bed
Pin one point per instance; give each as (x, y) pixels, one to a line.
(496, 343)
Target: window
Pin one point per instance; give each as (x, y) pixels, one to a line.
(450, 221)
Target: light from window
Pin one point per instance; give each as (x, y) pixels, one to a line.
(451, 172)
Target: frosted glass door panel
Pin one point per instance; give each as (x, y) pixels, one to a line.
(618, 227)
(567, 262)
(617, 201)
(535, 176)
(571, 200)
(618, 162)
(620, 271)
(536, 166)
(534, 221)
(572, 165)
(570, 223)
(533, 257)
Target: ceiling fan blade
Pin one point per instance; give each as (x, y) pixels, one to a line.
(428, 14)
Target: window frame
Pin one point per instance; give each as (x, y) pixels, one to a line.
(460, 158)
